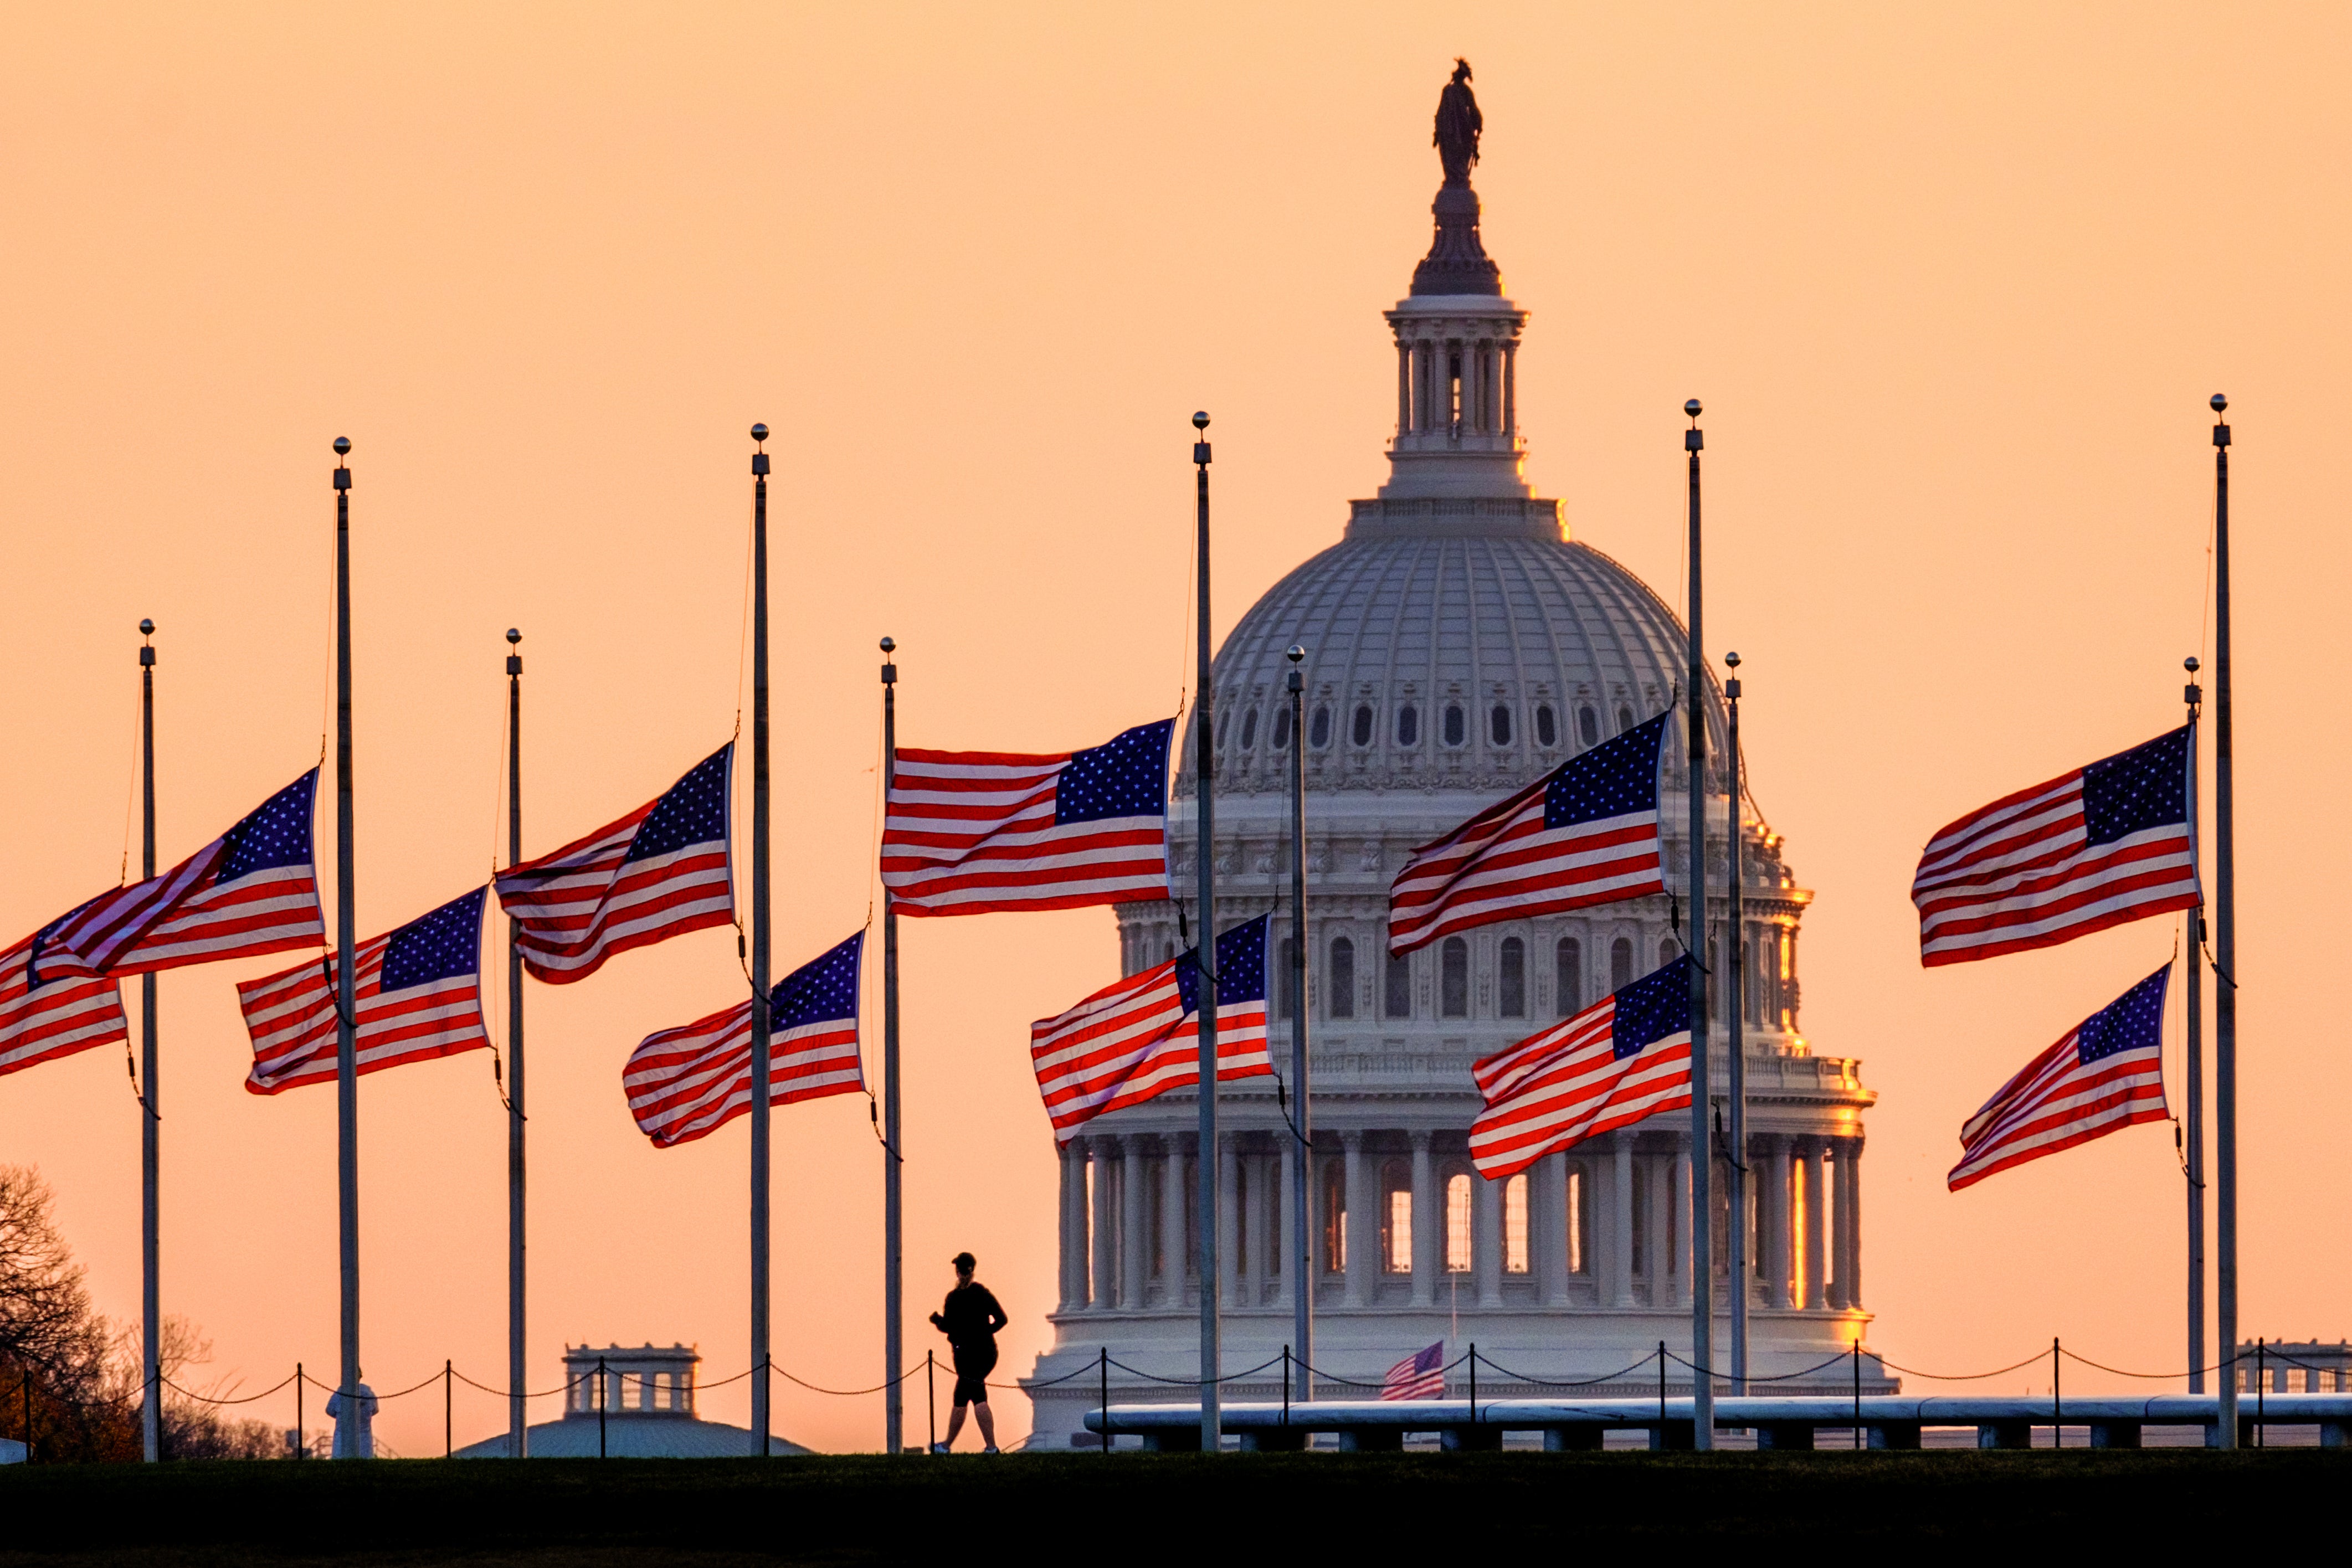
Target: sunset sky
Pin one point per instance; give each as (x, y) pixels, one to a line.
(1955, 284)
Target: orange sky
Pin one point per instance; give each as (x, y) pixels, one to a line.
(1954, 288)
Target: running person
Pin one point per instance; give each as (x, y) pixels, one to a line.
(969, 1318)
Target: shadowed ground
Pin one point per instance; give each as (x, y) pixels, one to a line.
(1124, 1508)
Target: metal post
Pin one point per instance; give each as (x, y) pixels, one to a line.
(1205, 853)
(346, 1078)
(2193, 1156)
(893, 1256)
(1702, 1273)
(1102, 1371)
(2225, 957)
(1857, 1386)
(601, 1401)
(2262, 1389)
(1286, 1385)
(2057, 1401)
(151, 1310)
(517, 1417)
(1474, 1383)
(299, 1445)
(1736, 1014)
(1302, 1293)
(449, 1423)
(760, 936)
(931, 1397)
(1661, 1394)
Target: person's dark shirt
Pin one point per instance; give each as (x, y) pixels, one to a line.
(970, 1317)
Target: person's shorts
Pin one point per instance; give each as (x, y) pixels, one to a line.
(972, 1367)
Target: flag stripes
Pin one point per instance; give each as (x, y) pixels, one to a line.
(416, 995)
(685, 1084)
(970, 832)
(660, 872)
(1421, 1376)
(2094, 848)
(1585, 833)
(1140, 1037)
(45, 1015)
(1623, 1060)
(2104, 1074)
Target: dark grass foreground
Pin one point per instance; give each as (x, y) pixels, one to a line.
(1128, 1509)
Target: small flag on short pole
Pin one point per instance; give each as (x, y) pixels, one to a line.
(416, 995)
(2104, 1074)
(1421, 1376)
(685, 1084)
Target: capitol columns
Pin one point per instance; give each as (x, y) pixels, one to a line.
(1131, 1259)
(1815, 1160)
(1849, 1223)
(1551, 1193)
(1073, 1224)
(1424, 1222)
(1363, 1235)
(1620, 1219)
(1103, 1291)
(1174, 1250)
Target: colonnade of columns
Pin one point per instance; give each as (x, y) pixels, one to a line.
(1486, 370)
(1604, 1226)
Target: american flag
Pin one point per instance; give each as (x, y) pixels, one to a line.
(1585, 833)
(685, 1084)
(251, 890)
(2091, 849)
(1625, 1059)
(416, 994)
(45, 1014)
(2107, 1073)
(1142, 1036)
(660, 872)
(1421, 1376)
(974, 832)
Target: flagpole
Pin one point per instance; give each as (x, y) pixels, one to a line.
(1736, 952)
(1205, 855)
(760, 936)
(2193, 1155)
(347, 1082)
(894, 1276)
(517, 1417)
(151, 1153)
(2225, 957)
(1302, 1309)
(1701, 1265)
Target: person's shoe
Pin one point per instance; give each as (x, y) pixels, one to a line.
(991, 1449)
(938, 1447)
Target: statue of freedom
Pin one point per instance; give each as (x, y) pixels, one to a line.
(1458, 124)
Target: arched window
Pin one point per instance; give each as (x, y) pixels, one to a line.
(1458, 1223)
(1343, 1001)
(1454, 977)
(1620, 964)
(1396, 1218)
(1363, 724)
(1499, 725)
(1224, 726)
(1625, 718)
(1579, 1220)
(1249, 730)
(1512, 978)
(1335, 1217)
(1588, 725)
(1546, 726)
(1457, 729)
(1282, 728)
(1318, 728)
(1668, 951)
(1408, 725)
(1568, 975)
(1515, 1225)
(1398, 987)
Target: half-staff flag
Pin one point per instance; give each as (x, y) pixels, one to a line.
(416, 995)
(969, 832)
(660, 872)
(1625, 1059)
(1584, 833)
(251, 890)
(684, 1083)
(1138, 1039)
(2105, 1073)
(2094, 848)
(45, 1014)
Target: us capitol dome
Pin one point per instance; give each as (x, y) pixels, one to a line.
(1460, 643)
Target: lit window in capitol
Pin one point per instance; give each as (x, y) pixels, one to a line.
(1458, 1223)
(1515, 1225)
(1335, 1218)
(1396, 1218)
(1578, 1218)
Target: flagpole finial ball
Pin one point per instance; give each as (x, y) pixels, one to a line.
(1732, 660)
(1201, 420)
(2219, 403)
(1298, 652)
(342, 446)
(890, 644)
(146, 628)
(759, 433)
(2191, 663)
(514, 634)
(1692, 408)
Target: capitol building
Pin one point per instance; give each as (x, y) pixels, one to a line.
(1460, 644)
